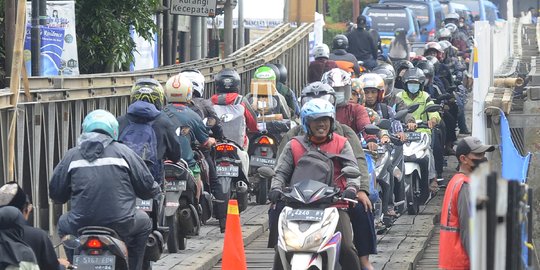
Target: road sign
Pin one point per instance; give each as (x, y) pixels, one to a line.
(202, 8)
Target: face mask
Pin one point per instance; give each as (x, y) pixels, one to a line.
(461, 24)
(413, 87)
(477, 162)
(340, 98)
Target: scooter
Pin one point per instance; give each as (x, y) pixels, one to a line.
(181, 214)
(96, 248)
(206, 200)
(232, 177)
(307, 225)
(155, 243)
(416, 154)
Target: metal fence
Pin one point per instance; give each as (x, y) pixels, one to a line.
(49, 123)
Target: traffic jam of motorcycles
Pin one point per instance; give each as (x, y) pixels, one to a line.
(337, 162)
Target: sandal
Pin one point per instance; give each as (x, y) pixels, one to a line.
(434, 186)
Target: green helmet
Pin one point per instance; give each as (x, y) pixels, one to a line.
(103, 121)
(265, 73)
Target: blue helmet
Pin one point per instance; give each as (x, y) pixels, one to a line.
(103, 121)
(369, 22)
(315, 109)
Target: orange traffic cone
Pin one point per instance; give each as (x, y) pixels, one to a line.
(234, 257)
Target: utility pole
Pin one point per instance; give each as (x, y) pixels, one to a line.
(286, 11)
(196, 39)
(356, 10)
(35, 45)
(228, 29)
(166, 34)
(204, 37)
(174, 39)
(240, 30)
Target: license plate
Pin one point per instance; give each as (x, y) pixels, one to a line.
(381, 150)
(145, 205)
(305, 215)
(227, 171)
(175, 185)
(414, 136)
(262, 161)
(386, 41)
(85, 262)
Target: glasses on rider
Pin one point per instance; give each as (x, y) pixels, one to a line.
(328, 97)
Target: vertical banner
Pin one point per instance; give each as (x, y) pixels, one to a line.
(145, 53)
(58, 40)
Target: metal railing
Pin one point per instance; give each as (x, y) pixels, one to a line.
(49, 123)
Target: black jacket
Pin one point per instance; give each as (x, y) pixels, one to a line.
(40, 243)
(361, 45)
(167, 143)
(102, 178)
(345, 61)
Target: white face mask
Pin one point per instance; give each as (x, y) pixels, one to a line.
(413, 87)
(340, 97)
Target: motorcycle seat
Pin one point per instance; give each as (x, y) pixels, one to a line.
(98, 230)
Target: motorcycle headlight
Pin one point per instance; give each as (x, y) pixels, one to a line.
(294, 242)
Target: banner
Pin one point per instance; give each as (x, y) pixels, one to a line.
(146, 51)
(58, 40)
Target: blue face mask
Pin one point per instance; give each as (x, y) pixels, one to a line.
(413, 87)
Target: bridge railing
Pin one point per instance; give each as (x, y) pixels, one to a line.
(49, 122)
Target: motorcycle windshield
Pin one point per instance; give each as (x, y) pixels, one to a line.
(310, 191)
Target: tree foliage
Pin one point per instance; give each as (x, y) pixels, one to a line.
(103, 32)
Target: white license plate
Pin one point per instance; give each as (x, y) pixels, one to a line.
(227, 171)
(144, 205)
(414, 136)
(86, 262)
(305, 215)
(262, 161)
(175, 185)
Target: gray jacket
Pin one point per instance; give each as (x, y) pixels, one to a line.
(285, 167)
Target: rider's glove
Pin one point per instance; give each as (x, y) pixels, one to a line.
(274, 195)
(349, 193)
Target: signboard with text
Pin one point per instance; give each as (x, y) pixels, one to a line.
(201, 8)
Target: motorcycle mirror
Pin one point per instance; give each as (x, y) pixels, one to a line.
(413, 108)
(401, 115)
(351, 172)
(71, 242)
(385, 124)
(266, 172)
(372, 129)
(432, 108)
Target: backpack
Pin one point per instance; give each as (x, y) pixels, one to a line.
(233, 120)
(313, 165)
(141, 138)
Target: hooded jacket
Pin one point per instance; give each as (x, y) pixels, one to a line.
(102, 178)
(168, 147)
(13, 250)
(318, 67)
(346, 61)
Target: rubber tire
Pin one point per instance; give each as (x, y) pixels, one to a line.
(175, 241)
(412, 201)
(147, 265)
(399, 194)
(262, 191)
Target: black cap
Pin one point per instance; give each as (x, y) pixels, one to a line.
(472, 145)
(11, 194)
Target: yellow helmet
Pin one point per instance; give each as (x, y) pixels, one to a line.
(179, 89)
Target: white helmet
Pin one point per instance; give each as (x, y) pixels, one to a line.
(197, 79)
(179, 89)
(321, 50)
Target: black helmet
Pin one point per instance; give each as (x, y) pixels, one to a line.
(427, 67)
(227, 81)
(318, 90)
(387, 72)
(340, 42)
(401, 65)
(361, 21)
(282, 73)
(414, 77)
(276, 71)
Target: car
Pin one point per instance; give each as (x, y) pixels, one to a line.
(482, 10)
(387, 18)
(428, 12)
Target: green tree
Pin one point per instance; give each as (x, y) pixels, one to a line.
(340, 10)
(103, 32)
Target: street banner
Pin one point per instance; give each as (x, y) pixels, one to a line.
(146, 51)
(58, 40)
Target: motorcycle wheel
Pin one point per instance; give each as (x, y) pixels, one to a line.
(413, 205)
(147, 265)
(222, 222)
(176, 241)
(262, 191)
(399, 193)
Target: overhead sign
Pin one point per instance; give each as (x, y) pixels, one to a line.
(201, 8)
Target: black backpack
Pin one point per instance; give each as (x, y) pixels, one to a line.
(313, 165)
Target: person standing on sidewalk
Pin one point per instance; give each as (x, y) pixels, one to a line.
(454, 247)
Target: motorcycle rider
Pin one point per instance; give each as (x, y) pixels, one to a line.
(288, 93)
(374, 34)
(399, 49)
(400, 67)
(350, 114)
(147, 101)
(16, 254)
(268, 73)
(343, 59)
(414, 80)
(361, 44)
(362, 221)
(459, 37)
(188, 124)
(318, 117)
(322, 64)
(103, 178)
(388, 74)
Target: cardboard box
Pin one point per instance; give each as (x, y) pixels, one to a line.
(301, 11)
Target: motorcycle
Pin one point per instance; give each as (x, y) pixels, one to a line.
(233, 181)
(206, 200)
(155, 243)
(96, 248)
(307, 225)
(181, 214)
(416, 154)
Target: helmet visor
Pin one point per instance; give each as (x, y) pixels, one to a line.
(328, 97)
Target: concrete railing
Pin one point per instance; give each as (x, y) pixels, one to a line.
(49, 122)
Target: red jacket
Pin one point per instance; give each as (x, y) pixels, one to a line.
(452, 254)
(356, 117)
(249, 113)
(318, 67)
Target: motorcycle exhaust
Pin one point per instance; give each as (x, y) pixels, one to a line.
(154, 246)
(186, 221)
